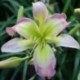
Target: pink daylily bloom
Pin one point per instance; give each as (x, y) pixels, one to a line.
(38, 31)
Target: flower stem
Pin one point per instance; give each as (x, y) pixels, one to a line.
(25, 70)
(25, 58)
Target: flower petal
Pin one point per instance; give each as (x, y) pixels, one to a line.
(10, 31)
(59, 16)
(25, 27)
(24, 20)
(46, 72)
(40, 12)
(44, 61)
(68, 41)
(57, 23)
(15, 45)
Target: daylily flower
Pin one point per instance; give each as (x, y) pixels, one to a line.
(41, 31)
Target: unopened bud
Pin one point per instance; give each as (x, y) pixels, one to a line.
(77, 12)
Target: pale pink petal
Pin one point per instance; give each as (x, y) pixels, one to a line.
(10, 31)
(40, 11)
(44, 62)
(24, 19)
(58, 22)
(13, 46)
(19, 29)
(59, 16)
(25, 27)
(45, 72)
(68, 41)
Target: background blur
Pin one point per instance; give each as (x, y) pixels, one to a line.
(68, 60)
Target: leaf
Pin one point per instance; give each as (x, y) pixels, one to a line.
(10, 62)
(76, 66)
(79, 76)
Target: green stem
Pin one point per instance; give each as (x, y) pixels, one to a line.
(25, 70)
(74, 29)
(26, 63)
(30, 53)
(25, 58)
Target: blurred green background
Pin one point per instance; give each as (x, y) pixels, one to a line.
(68, 60)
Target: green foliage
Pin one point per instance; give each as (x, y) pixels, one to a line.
(79, 76)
